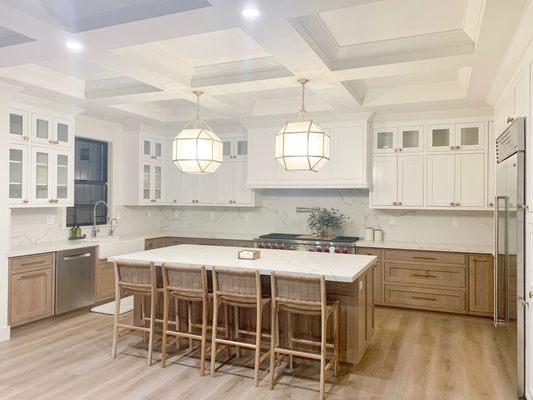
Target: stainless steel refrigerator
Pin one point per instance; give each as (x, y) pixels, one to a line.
(509, 217)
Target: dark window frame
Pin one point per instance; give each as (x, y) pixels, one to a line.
(75, 213)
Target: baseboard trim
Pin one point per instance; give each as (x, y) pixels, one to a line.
(5, 333)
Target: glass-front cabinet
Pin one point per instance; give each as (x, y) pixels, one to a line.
(454, 137)
(62, 188)
(385, 140)
(63, 133)
(410, 139)
(152, 149)
(18, 125)
(18, 174)
(41, 182)
(234, 148)
(151, 183)
(51, 176)
(42, 129)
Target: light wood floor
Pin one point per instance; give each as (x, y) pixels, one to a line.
(414, 355)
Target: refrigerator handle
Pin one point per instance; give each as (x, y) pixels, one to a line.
(497, 228)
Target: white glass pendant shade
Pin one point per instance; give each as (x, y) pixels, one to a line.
(301, 145)
(196, 149)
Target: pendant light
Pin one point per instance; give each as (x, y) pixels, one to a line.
(196, 149)
(301, 145)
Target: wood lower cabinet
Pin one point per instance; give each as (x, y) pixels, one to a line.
(377, 272)
(481, 285)
(31, 288)
(156, 243)
(105, 280)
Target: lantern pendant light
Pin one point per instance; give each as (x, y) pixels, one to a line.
(301, 145)
(196, 149)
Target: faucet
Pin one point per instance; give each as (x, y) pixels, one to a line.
(112, 229)
(95, 228)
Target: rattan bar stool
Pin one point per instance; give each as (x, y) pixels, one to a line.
(134, 278)
(238, 288)
(304, 295)
(187, 283)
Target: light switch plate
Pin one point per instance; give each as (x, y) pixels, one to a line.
(455, 222)
(392, 221)
(50, 219)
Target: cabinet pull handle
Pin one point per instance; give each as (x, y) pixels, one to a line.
(26, 138)
(399, 203)
(510, 119)
(25, 201)
(424, 298)
(425, 275)
(457, 204)
(452, 203)
(31, 263)
(394, 203)
(50, 200)
(425, 258)
(32, 275)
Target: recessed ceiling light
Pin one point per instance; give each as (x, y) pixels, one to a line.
(250, 13)
(73, 45)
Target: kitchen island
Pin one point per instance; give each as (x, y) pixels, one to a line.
(349, 279)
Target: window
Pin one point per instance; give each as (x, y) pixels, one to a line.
(90, 183)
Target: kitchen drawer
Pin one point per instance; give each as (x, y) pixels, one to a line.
(243, 243)
(426, 275)
(443, 257)
(37, 261)
(370, 252)
(425, 298)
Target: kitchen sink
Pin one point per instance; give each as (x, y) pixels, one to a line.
(109, 246)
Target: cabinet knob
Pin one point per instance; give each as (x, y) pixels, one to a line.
(394, 203)
(457, 204)
(452, 203)
(400, 149)
(25, 201)
(510, 119)
(491, 204)
(26, 138)
(399, 203)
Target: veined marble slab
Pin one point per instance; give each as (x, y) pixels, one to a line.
(334, 267)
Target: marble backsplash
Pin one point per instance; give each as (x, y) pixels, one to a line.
(276, 214)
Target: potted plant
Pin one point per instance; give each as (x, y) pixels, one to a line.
(323, 221)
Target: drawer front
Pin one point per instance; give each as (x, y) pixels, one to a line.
(425, 256)
(370, 252)
(160, 242)
(426, 298)
(37, 261)
(426, 275)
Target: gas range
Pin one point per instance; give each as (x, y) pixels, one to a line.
(291, 241)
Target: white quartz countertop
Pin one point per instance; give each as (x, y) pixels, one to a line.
(452, 247)
(335, 267)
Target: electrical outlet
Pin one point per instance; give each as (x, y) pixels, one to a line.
(455, 222)
(392, 221)
(50, 219)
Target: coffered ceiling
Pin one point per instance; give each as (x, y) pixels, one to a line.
(141, 59)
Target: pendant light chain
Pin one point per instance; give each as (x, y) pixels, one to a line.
(198, 93)
(303, 82)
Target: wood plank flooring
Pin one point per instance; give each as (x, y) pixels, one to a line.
(414, 355)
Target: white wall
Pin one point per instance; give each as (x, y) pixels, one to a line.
(4, 217)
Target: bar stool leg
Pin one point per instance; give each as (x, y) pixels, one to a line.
(177, 320)
(289, 330)
(153, 302)
(204, 336)
(257, 344)
(323, 353)
(237, 327)
(214, 336)
(143, 317)
(226, 327)
(165, 328)
(115, 323)
(189, 321)
(336, 338)
(273, 334)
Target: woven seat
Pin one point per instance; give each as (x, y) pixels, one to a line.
(238, 288)
(302, 295)
(186, 283)
(135, 279)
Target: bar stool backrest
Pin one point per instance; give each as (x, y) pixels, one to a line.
(135, 274)
(186, 278)
(300, 290)
(236, 283)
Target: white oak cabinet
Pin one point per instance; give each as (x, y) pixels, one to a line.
(398, 181)
(347, 167)
(454, 180)
(41, 159)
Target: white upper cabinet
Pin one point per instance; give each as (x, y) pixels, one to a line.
(152, 148)
(19, 125)
(406, 139)
(235, 148)
(411, 181)
(18, 174)
(441, 180)
(385, 140)
(385, 181)
(441, 137)
(63, 133)
(224, 184)
(42, 129)
(347, 167)
(469, 189)
(230, 184)
(470, 136)
(151, 183)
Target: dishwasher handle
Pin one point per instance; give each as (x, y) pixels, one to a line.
(76, 257)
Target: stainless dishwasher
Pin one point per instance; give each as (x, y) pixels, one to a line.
(75, 279)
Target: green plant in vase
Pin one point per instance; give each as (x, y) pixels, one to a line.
(324, 221)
